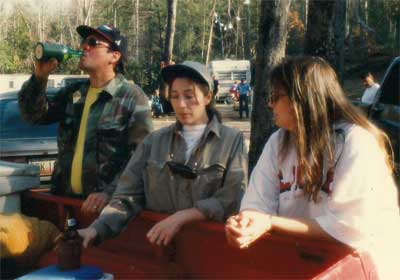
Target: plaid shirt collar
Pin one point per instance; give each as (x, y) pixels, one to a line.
(112, 87)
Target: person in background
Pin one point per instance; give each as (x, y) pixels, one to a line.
(163, 93)
(195, 169)
(156, 105)
(215, 86)
(244, 95)
(234, 91)
(371, 88)
(102, 121)
(326, 174)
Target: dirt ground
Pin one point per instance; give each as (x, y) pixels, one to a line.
(352, 86)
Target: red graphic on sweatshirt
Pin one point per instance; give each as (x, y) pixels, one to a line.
(285, 186)
(297, 178)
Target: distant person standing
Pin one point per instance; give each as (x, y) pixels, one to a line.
(234, 91)
(156, 105)
(164, 99)
(371, 88)
(244, 93)
(216, 84)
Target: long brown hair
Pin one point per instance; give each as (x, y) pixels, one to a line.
(318, 101)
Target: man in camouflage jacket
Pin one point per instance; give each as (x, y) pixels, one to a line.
(118, 118)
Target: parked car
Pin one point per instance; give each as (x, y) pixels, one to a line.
(385, 111)
(70, 80)
(22, 142)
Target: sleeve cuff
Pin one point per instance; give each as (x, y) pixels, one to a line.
(341, 232)
(102, 231)
(113, 221)
(211, 208)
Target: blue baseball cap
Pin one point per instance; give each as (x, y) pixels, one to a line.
(112, 35)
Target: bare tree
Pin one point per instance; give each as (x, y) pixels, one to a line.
(211, 33)
(271, 49)
(339, 30)
(237, 32)
(247, 43)
(3, 22)
(71, 31)
(85, 11)
(41, 23)
(319, 34)
(135, 20)
(169, 37)
(114, 13)
(203, 35)
(326, 30)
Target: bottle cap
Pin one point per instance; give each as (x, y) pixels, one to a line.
(71, 222)
(39, 51)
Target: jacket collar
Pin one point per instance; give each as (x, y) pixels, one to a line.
(112, 87)
(213, 126)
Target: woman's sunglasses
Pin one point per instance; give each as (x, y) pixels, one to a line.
(93, 42)
(274, 96)
(182, 170)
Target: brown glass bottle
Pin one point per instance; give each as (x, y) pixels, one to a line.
(69, 247)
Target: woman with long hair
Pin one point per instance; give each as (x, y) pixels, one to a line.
(195, 169)
(326, 173)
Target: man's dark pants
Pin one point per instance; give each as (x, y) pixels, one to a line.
(243, 101)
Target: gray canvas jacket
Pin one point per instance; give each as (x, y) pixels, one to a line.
(220, 160)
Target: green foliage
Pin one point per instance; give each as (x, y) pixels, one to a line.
(193, 24)
(16, 46)
(6, 59)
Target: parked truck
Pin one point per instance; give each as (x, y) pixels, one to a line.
(227, 72)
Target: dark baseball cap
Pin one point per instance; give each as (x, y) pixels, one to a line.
(189, 69)
(112, 35)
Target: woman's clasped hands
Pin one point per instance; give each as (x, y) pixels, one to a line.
(246, 227)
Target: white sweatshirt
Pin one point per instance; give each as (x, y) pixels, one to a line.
(370, 94)
(357, 205)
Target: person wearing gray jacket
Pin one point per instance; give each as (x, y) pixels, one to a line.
(195, 169)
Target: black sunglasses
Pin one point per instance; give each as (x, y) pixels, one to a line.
(93, 42)
(182, 170)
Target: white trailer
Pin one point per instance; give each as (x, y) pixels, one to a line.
(227, 72)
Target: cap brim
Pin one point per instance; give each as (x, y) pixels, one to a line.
(86, 31)
(171, 72)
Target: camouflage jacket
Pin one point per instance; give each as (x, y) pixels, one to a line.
(118, 121)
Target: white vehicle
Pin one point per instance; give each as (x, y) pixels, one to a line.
(227, 72)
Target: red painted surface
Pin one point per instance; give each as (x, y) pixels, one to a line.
(201, 251)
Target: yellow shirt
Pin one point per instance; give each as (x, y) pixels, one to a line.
(76, 169)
